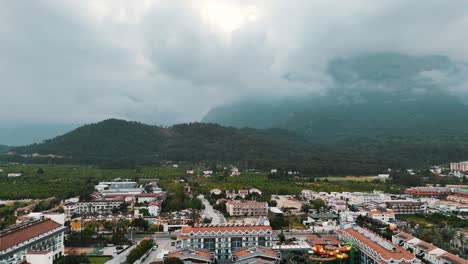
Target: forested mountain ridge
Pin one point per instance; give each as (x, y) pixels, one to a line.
(120, 140)
(384, 110)
(119, 143)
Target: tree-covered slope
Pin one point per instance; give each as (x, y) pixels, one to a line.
(122, 140)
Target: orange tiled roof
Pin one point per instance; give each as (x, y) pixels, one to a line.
(404, 236)
(186, 230)
(398, 253)
(426, 246)
(452, 258)
(187, 253)
(8, 240)
(256, 252)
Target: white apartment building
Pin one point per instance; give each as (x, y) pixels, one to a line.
(100, 207)
(224, 240)
(375, 249)
(154, 208)
(428, 252)
(387, 216)
(43, 235)
(246, 208)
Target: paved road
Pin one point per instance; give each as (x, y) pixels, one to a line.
(164, 246)
(118, 259)
(209, 212)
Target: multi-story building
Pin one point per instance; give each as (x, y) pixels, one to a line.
(427, 252)
(459, 166)
(233, 195)
(29, 237)
(154, 208)
(224, 240)
(427, 191)
(450, 207)
(407, 206)
(256, 254)
(246, 208)
(118, 187)
(358, 198)
(386, 216)
(375, 249)
(99, 207)
(195, 256)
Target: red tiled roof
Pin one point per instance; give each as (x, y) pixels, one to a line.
(186, 253)
(255, 251)
(186, 230)
(405, 236)
(426, 246)
(398, 253)
(452, 258)
(312, 237)
(157, 203)
(8, 240)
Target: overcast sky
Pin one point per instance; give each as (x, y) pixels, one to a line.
(171, 61)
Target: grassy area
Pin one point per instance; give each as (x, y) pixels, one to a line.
(418, 219)
(436, 220)
(99, 259)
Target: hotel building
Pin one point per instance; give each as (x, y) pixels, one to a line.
(375, 249)
(427, 252)
(224, 240)
(246, 208)
(40, 236)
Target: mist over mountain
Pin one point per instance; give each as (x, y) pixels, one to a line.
(372, 95)
(17, 134)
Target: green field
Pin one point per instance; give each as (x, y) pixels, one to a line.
(99, 259)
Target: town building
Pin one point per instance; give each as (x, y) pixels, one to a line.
(246, 208)
(148, 197)
(387, 216)
(427, 191)
(189, 255)
(42, 235)
(427, 252)
(359, 198)
(40, 257)
(100, 207)
(256, 254)
(118, 187)
(78, 224)
(459, 166)
(224, 240)
(406, 206)
(216, 191)
(451, 207)
(233, 194)
(375, 249)
(255, 191)
(154, 208)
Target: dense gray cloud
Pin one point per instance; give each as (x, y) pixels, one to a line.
(170, 61)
